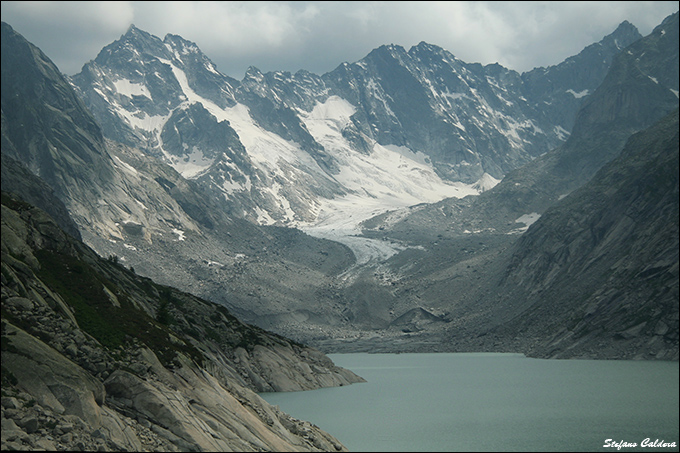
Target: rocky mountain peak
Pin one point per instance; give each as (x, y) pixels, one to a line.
(133, 31)
(385, 53)
(181, 44)
(253, 75)
(666, 36)
(423, 48)
(669, 21)
(131, 46)
(422, 45)
(624, 33)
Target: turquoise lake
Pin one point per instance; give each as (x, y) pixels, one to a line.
(494, 402)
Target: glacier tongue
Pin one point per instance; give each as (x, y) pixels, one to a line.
(389, 178)
(339, 219)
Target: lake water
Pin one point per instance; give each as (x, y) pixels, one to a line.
(493, 402)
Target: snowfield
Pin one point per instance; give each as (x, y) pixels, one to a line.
(388, 179)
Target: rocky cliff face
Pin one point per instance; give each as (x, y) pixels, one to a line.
(597, 275)
(545, 86)
(18, 179)
(94, 356)
(47, 128)
(640, 88)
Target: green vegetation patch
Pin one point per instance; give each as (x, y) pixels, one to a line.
(83, 289)
(15, 204)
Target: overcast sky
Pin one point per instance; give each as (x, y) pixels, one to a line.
(318, 36)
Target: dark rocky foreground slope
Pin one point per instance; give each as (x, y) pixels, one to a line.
(97, 357)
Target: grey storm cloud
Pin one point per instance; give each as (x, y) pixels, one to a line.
(318, 36)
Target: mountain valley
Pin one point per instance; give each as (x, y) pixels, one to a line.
(316, 206)
(174, 240)
(406, 202)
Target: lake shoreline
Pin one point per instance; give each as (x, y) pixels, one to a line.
(390, 342)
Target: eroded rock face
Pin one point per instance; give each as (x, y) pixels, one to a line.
(197, 409)
(279, 369)
(155, 388)
(185, 409)
(53, 380)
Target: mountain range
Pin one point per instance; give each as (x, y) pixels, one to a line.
(279, 147)
(160, 221)
(375, 207)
